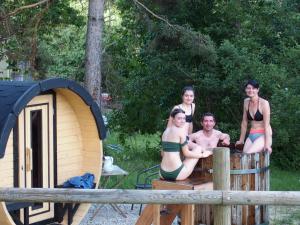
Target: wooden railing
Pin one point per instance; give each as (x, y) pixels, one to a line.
(101, 196)
(222, 197)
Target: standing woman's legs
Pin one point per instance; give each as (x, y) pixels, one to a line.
(247, 145)
(256, 146)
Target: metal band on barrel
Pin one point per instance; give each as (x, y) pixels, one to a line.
(245, 171)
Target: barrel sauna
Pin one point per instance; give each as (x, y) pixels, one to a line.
(50, 131)
(249, 172)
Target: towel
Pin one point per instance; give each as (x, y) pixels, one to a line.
(85, 181)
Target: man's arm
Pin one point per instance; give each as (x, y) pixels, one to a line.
(192, 137)
(224, 138)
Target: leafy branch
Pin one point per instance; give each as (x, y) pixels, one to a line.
(16, 11)
(152, 13)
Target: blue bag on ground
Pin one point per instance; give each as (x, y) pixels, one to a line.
(85, 181)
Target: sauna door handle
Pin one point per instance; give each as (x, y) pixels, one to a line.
(28, 159)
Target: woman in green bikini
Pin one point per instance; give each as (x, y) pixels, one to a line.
(174, 140)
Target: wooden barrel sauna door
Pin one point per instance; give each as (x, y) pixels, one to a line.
(36, 154)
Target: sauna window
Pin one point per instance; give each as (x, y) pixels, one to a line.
(37, 151)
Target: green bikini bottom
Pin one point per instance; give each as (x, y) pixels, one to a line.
(170, 175)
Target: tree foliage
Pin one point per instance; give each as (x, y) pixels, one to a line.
(161, 46)
(23, 24)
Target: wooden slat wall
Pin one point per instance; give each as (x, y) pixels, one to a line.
(6, 165)
(6, 178)
(78, 142)
(69, 143)
(5, 218)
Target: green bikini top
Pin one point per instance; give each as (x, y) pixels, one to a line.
(172, 146)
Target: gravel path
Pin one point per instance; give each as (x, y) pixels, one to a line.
(106, 215)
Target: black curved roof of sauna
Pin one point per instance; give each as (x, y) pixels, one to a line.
(14, 96)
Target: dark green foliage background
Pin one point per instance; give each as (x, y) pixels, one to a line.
(214, 46)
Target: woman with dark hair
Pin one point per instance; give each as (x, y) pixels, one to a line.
(174, 140)
(257, 111)
(187, 105)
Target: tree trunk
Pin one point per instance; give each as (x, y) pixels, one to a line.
(93, 49)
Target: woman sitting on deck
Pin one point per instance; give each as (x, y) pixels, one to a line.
(174, 140)
(257, 111)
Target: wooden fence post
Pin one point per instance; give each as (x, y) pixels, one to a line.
(221, 179)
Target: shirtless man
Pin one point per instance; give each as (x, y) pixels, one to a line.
(208, 137)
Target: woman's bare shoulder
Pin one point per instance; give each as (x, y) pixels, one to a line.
(246, 100)
(180, 132)
(263, 100)
(264, 103)
(177, 106)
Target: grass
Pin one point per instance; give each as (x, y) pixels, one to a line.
(134, 154)
(284, 180)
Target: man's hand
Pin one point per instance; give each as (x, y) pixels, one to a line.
(225, 142)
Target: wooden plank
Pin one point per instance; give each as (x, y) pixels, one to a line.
(91, 146)
(67, 127)
(187, 214)
(150, 196)
(6, 166)
(70, 128)
(146, 217)
(73, 140)
(6, 163)
(5, 218)
(68, 154)
(169, 185)
(67, 118)
(72, 169)
(156, 214)
(251, 208)
(172, 212)
(92, 160)
(67, 147)
(74, 158)
(80, 214)
(70, 132)
(221, 179)
(203, 213)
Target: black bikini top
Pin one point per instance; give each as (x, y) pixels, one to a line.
(257, 116)
(189, 118)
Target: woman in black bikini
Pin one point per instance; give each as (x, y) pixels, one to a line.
(187, 105)
(257, 111)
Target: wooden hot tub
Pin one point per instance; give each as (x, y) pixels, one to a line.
(249, 172)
